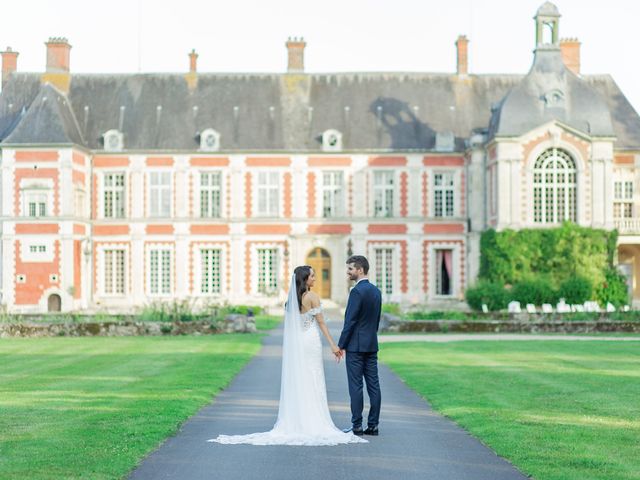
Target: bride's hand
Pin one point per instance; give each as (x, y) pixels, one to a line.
(337, 352)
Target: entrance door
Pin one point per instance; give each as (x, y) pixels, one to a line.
(54, 304)
(320, 260)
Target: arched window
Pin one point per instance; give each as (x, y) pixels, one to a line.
(554, 187)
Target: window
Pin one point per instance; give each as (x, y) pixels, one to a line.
(554, 187)
(623, 199)
(210, 194)
(384, 270)
(160, 194)
(36, 203)
(268, 193)
(444, 272)
(114, 272)
(332, 194)
(383, 193)
(267, 271)
(114, 195)
(37, 248)
(443, 189)
(210, 271)
(79, 202)
(160, 272)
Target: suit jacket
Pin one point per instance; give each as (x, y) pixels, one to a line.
(361, 319)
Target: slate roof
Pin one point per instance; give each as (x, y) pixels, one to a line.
(279, 112)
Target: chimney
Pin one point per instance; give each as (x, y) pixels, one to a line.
(58, 49)
(193, 59)
(9, 64)
(295, 48)
(570, 50)
(462, 48)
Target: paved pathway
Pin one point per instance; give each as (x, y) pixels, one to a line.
(415, 443)
(463, 337)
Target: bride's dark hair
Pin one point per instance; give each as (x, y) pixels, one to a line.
(302, 274)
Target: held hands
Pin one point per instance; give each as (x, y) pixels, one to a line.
(337, 352)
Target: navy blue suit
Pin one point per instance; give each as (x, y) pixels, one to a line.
(359, 338)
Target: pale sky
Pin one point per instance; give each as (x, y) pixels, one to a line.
(341, 35)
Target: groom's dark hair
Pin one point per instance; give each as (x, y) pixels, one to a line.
(360, 262)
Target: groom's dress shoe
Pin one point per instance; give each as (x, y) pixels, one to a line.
(355, 431)
(371, 431)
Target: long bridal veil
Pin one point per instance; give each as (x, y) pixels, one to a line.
(303, 413)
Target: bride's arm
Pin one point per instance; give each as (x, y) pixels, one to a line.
(314, 302)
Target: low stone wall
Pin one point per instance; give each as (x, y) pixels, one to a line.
(505, 326)
(231, 324)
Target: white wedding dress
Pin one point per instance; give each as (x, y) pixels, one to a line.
(303, 413)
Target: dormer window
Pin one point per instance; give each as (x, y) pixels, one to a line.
(209, 140)
(331, 141)
(113, 141)
(445, 141)
(554, 98)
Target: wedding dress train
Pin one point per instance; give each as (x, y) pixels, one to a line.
(303, 414)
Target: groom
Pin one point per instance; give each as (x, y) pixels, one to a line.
(359, 340)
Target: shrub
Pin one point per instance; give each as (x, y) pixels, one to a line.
(576, 290)
(613, 290)
(392, 308)
(492, 294)
(240, 309)
(536, 290)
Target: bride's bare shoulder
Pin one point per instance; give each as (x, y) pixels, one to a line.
(311, 298)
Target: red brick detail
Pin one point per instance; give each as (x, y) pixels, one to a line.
(209, 229)
(94, 198)
(155, 229)
(77, 272)
(330, 229)
(624, 159)
(268, 229)
(287, 195)
(268, 162)
(79, 229)
(387, 161)
(50, 173)
(110, 162)
(329, 161)
(387, 228)
(209, 162)
(425, 192)
(36, 156)
(159, 162)
(443, 161)
(425, 261)
(77, 177)
(78, 158)
(36, 228)
(38, 276)
(247, 194)
(227, 276)
(311, 196)
(443, 228)
(404, 261)
(107, 230)
(404, 187)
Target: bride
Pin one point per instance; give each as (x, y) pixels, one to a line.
(303, 414)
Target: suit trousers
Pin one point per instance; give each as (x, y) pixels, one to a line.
(363, 365)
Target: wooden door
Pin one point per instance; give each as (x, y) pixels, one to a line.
(54, 303)
(320, 260)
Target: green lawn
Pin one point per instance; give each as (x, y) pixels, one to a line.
(91, 408)
(558, 410)
(267, 322)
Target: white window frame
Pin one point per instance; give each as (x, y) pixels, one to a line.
(381, 270)
(163, 192)
(549, 191)
(442, 190)
(623, 199)
(275, 275)
(79, 202)
(456, 287)
(210, 191)
(102, 251)
(117, 211)
(333, 182)
(267, 193)
(383, 192)
(164, 287)
(200, 270)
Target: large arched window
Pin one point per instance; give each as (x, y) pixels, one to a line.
(554, 187)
